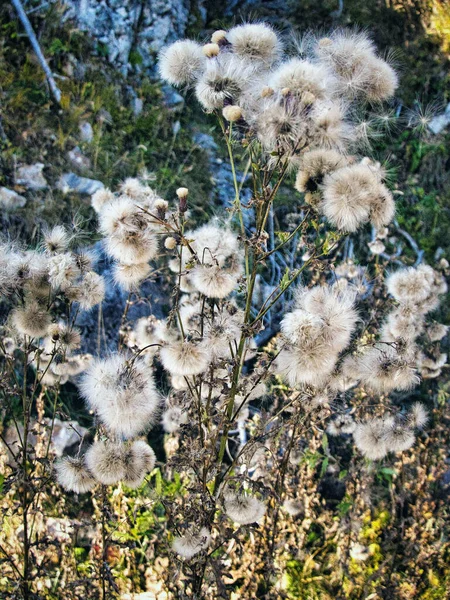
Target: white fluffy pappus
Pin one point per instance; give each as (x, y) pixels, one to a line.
(129, 277)
(181, 63)
(370, 437)
(353, 195)
(139, 460)
(192, 542)
(90, 290)
(106, 461)
(185, 358)
(225, 78)
(213, 281)
(32, 319)
(383, 369)
(63, 270)
(73, 475)
(243, 509)
(122, 393)
(255, 41)
(301, 76)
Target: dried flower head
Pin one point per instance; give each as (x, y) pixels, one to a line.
(107, 461)
(192, 542)
(182, 62)
(73, 475)
(243, 509)
(122, 393)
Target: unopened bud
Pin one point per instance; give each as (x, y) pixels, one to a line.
(170, 243)
(324, 42)
(308, 98)
(218, 36)
(285, 91)
(232, 113)
(182, 192)
(266, 92)
(211, 50)
(161, 206)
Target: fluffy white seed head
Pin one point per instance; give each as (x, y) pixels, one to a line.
(192, 543)
(56, 240)
(418, 416)
(129, 277)
(181, 63)
(370, 439)
(32, 319)
(214, 282)
(184, 358)
(139, 461)
(100, 198)
(243, 509)
(211, 50)
(63, 271)
(122, 393)
(256, 42)
(106, 461)
(73, 475)
(91, 290)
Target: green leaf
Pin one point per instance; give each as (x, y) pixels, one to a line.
(324, 466)
(283, 236)
(285, 280)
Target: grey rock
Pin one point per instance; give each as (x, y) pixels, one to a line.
(138, 106)
(70, 182)
(77, 158)
(440, 122)
(86, 132)
(125, 24)
(172, 99)
(10, 200)
(31, 177)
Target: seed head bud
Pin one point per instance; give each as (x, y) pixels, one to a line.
(161, 207)
(182, 194)
(211, 50)
(308, 98)
(324, 42)
(285, 91)
(170, 243)
(232, 113)
(218, 36)
(266, 92)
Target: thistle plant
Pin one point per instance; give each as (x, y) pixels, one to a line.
(271, 335)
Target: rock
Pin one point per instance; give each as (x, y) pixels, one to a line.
(78, 159)
(86, 132)
(172, 99)
(69, 182)
(440, 122)
(10, 200)
(31, 177)
(121, 25)
(138, 106)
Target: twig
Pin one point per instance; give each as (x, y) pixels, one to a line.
(30, 33)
